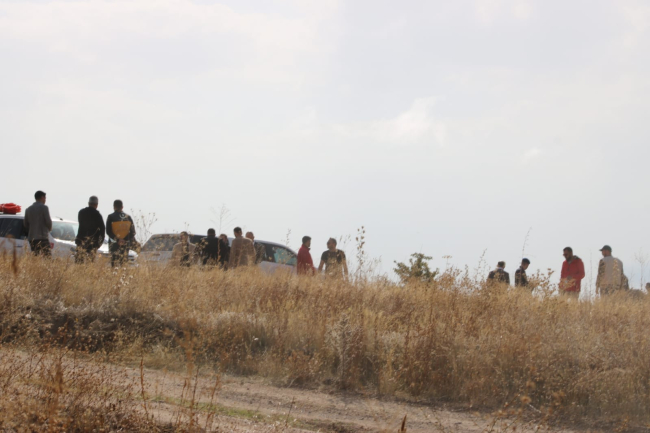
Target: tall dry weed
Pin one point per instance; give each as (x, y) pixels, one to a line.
(454, 340)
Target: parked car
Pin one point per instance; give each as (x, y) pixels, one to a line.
(62, 236)
(158, 250)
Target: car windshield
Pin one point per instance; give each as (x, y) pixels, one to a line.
(64, 231)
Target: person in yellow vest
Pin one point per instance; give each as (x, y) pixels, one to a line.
(121, 234)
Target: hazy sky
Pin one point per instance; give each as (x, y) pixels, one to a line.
(442, 127)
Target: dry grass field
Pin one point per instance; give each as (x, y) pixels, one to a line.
(455, 342)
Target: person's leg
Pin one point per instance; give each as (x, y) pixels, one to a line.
(91, 253)
(41, 247)
(113, 249)
(80, 255)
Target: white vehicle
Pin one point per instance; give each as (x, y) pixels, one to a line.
(158, 250)
(62, 236)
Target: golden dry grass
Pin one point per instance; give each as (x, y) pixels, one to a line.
(454, 341)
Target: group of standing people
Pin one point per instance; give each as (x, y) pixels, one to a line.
(92, 232)
(244, 251)
(610, 279)
(215, 250)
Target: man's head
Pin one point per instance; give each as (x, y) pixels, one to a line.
(306, 241)
(237, 232)
(501, 265)
(40, 196)
(93, 201)
(184, 237)
(331, 244)
(568, 253)
(250, 236)
(524, 264)
(118, 205)
(606, 250)
(211, 233)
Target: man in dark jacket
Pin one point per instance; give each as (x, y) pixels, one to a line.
(121, 234)
(521, 280)
(499, 275)
(211, 249)
(90, 235)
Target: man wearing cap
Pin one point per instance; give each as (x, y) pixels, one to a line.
(90, 235)
(610, 273)
(521, 280)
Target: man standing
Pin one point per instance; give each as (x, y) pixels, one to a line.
(211, 249)
(573, 271)
(260, 250)
(90, 235)
(499, 275)
(242, 251)
(333, 260)
(521, 280)
(225, 251)
(305, 262)
(610, 273)
(39, 225)
(183, 253)
(121, 234)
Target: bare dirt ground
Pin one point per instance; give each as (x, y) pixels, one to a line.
(244, 404)
(264, 407)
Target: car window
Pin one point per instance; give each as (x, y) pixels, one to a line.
(281, 255)
(196, 239)
(64, 231)
(161, 243)
(12, 228)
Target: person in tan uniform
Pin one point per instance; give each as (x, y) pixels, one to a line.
(242, 251)
(184, 252)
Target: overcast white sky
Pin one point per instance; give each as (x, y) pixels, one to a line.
(442, 127)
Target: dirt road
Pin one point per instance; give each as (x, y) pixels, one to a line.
(242, 404)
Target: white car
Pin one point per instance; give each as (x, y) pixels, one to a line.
(158, 250)
(62, 236)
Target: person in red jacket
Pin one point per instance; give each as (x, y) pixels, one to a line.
(305, 262)
(573, 271)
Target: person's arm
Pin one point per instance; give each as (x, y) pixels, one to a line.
(26, 221)
(48, 220)
(132, 230)
(77, 239)
(320, 266)
(345, 264)
(234, 253)
(507, 278)
(601, 273)
(109, 229)
(581, 271)
(517, 278)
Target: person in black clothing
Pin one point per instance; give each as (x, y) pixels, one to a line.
(225, 251)
(333, 260)
(121, 234)
(499, 275)
(521, 280)
(90, 235)
(211, 249)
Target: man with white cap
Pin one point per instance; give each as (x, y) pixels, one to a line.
(610, 273)
(90, 235)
